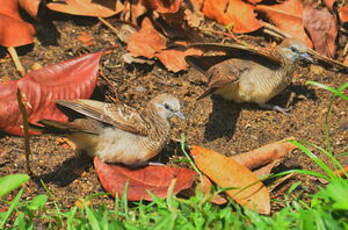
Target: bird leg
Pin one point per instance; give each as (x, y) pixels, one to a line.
(275, 107)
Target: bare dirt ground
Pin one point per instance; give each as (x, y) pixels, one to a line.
(220, 125)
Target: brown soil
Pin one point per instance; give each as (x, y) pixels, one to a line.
(223, 126)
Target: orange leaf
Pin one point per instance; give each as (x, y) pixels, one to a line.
(329, 4)
(265, 154)
(254, 1)
(247, 189)
(163, 6)
(147, 41)
(238, 14)
(10, 8)
(155, 179)
(86, 38)
(205, 186)
(14, 32)
(30, 6)
(343, 13)
(174, 60)
(287, 17)
(94, 8)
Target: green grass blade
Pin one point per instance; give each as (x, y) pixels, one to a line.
(38, 202)
(330, 89)
(11, 182)
(10, 210)
(314, 158)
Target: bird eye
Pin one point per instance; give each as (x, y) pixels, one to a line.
(166, 106)
(293, 49)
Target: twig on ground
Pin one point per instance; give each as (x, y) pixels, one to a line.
(12, 51)
(24, 113)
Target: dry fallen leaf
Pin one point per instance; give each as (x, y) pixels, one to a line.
(30, 6)
(329, 4)
(205, 186)
(94, 8)
(155, 179)
(174, 60)
(343, 14)
(247, 189)
(86, 38)
(72, 79)
(235, 13)
(265, 154)
(321, 26)
(288, 18)
(13, 30)
(147, 41)
(163, 6)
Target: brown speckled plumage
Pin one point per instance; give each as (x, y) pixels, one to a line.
(118, 133)
(246, 74)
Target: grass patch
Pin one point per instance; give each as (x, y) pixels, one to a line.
(327, 209)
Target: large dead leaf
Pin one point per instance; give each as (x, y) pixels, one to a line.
(265, 154)
(235, 13)
(322, 28)
(174, 60)
(94, 8)
(247, 189)
(72, 79)
(288, 18)
(147, 41)
(204, 186)
(155, 179)
(13, 30)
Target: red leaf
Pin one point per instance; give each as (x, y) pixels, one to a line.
(287, 17)
(147, 41)
(155, 179)
(72, 79)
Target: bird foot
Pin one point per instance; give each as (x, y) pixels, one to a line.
(276, 108)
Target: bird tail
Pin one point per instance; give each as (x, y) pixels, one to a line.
(58, 128)
(206, 93)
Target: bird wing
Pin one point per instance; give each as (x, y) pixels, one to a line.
(203, 63)
(241, 51)
(88, 126)
(224, 73)
(120, 116)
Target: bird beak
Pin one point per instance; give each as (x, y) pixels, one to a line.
(180, 115)
(307, 57)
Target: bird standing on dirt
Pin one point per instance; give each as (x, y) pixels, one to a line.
(245, 74)
(118, 133)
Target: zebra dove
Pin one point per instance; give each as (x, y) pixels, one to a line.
(246, 74)
(117, 133)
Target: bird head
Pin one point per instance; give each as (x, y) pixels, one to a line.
(295, 50)
(167, 106)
